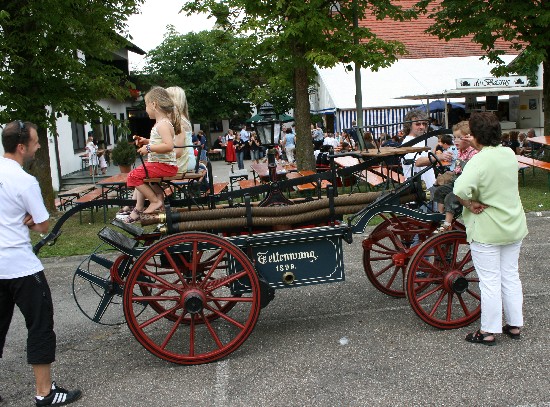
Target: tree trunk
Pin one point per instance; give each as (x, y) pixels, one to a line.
(304, 145)
(546, 91)
(40, 168)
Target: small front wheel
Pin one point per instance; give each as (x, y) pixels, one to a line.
(442, 285)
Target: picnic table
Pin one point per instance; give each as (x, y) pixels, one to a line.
(68, 197)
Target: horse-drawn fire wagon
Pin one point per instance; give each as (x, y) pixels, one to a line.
(191, 290)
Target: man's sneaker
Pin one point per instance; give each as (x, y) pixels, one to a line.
(58, 397)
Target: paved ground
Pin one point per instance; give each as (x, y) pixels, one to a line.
(295, 356)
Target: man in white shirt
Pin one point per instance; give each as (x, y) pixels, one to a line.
(330, 140)
(22, 279)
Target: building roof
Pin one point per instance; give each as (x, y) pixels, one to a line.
(421, 45)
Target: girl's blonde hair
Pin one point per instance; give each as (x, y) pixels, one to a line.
(165, 103)
(179, 99)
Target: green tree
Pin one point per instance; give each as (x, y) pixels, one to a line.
(216, 77)
(56, 59)
(522, 23)
(297, 35)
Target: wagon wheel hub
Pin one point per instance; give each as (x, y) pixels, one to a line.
(455, 282)
(194, 300)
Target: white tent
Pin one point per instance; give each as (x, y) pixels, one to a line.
(382, 89)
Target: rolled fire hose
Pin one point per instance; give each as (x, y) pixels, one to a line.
(282, 218)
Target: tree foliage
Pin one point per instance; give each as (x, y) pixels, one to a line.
(216, 77)
(294, 36)
(522, 23)
(55, 59)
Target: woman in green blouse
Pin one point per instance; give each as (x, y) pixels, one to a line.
(495, 227)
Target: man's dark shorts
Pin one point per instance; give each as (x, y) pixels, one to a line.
(32, 296)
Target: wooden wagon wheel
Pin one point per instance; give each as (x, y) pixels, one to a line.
(183, 262)
(197, 276)
(387, 250)
(446, 295)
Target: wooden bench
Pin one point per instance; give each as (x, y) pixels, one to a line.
(68, 197)
(543, 165)
(215, 154)
(247, 183)
(91, 196)
(219, 187)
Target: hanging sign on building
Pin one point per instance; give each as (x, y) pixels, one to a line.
(491, 82)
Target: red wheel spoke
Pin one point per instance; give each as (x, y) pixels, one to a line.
(159, 279)
(213, 267)
(473, 280)
(224, 281)
(392, 278)
(429, 267)
(192, 336)
(213, 333)
(449, 306)
(175, 267)
(473, 294)
(159, 316)
(195, 259)
(383, 270)
(438, 301)
(465, 260)
(224, 316)
(157, 298)
(463, 305)
(427, 294)
(230, 299)
(172, 331)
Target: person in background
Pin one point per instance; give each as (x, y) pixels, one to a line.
(102, 161)
(447, 145)
(202, 142)
(245, 138)
(255, 147)
(447, 202)
(218, 145)
(22, 279)
(91, 149)
(415, 126)
(495, 227)
(369, 142)
(330, 141)
(353, 133)
(239, 150)
(514, 142)
(318, 137)
(289, 144)
(346, 138)
(230, 156)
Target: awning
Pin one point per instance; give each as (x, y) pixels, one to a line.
(460, 93)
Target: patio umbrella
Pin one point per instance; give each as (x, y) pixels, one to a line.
(436, 106)
(283, 118)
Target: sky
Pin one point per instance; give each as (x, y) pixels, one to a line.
(148, 28)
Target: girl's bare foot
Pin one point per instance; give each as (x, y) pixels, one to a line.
(154, 206)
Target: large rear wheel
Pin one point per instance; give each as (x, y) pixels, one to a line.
(204, 296)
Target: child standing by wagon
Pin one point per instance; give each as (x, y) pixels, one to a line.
(161, 156)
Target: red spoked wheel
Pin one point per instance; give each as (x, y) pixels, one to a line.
(387, 250)
(442, 285)
(204, 295)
